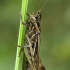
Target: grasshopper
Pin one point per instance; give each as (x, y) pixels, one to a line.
(32, 45)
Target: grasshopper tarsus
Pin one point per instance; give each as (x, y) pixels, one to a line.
(22, 49)
(27, 14)
(19, 55)
(18, 45)
(24, 23)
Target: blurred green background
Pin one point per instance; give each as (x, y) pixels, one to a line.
(55, 36)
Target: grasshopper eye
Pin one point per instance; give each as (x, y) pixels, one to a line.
(38, 16)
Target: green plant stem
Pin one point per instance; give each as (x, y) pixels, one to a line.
(21, 32)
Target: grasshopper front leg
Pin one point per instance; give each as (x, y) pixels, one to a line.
(22, 49)
(22, 21)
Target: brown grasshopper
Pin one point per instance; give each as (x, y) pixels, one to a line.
(32, 45)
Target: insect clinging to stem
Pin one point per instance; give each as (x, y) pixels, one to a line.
(32, 45)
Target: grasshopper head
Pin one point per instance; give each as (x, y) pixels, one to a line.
(35, 17)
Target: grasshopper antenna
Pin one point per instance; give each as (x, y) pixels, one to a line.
(38, 4)
(43, 6)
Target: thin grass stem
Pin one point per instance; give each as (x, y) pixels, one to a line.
(22, 30)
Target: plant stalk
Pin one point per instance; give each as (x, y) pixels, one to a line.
(22, 30)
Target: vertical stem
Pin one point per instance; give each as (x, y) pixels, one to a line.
(21, 32)
(24, 62)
